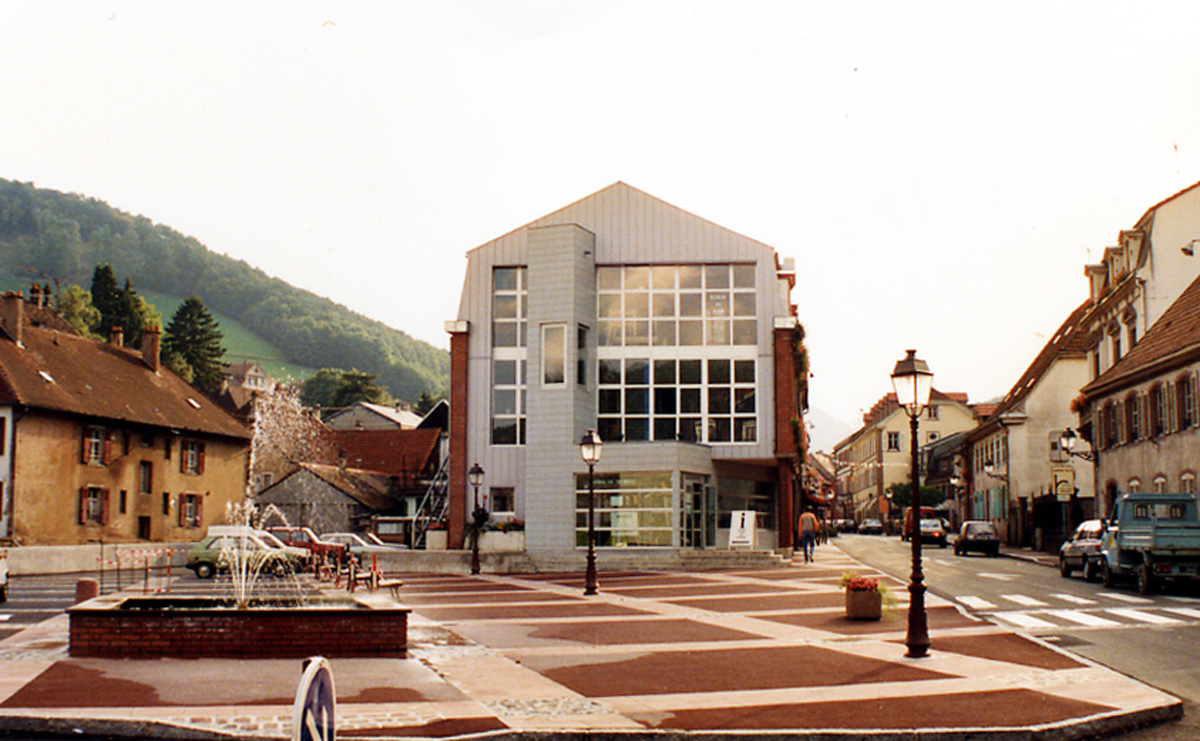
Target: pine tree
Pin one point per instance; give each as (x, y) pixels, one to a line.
(106, 297)
(195, 337)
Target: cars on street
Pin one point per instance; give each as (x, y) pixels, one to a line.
(214, 553)
(979, 536)
(306, 539)
(871, 527)
(926, 514)
(358, 544)
(1082, 551)
(933, 532)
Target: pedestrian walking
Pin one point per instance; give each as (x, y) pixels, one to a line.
(808, 534)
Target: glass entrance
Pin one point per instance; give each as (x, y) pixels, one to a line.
(697, 513)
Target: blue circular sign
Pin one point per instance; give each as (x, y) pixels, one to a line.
(312, 715)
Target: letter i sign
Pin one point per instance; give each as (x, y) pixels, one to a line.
(312, 714)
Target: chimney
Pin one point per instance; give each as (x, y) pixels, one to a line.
(12, 315)
(150, 343)
(35, 295)
(116, 336)
(45, 296)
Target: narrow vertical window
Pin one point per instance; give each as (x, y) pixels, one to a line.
(554, 355)
(581, 355)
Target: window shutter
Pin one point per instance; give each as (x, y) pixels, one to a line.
(199, 510)
(104, 506)
(83, 502)
(108, 447)
(200, 458)
(83, 448)
(182, 510)
(183, 445)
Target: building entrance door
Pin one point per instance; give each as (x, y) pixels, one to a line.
(697, 513)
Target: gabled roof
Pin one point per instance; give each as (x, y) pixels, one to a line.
(365, 487)
(404, 419)
(1069, 340)
(64, 372)
(1171, 341)
(400, 453)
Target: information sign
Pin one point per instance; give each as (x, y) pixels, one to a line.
(742, 529)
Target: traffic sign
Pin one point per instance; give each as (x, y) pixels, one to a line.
(312, 714)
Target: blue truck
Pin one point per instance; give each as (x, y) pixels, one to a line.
(1152, 538)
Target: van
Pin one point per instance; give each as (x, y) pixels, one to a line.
(926, 514)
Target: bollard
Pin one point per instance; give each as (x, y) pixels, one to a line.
(86, 589)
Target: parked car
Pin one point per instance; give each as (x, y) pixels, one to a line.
(1082, 550)
(844, 526)
(977, 535)
(358, 544)
(3, 575)
(933, 532)
(305, 538)
(211, 555)
(871, 527)
(1152, 537)
(926, 514)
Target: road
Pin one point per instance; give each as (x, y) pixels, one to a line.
(1154, 639)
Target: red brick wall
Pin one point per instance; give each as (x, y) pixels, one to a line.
(230, 633)
(458, 438)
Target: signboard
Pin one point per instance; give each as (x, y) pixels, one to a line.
(1064, 483)
(312, 714)
(742, 529)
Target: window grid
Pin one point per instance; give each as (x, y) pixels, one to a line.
(677, 305)
(688, 399)
(509, 341)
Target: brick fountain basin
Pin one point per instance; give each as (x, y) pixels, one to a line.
(214, 627)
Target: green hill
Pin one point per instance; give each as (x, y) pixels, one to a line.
(59, 238)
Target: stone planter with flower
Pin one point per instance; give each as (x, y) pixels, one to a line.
(865, 596)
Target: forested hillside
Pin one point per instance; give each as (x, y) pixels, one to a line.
(55, 237)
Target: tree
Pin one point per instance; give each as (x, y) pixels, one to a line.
(134, 315)
(195, 337)
(75, 305)
(106, 296)
(334, 387)
(902, 496)
(425, 403)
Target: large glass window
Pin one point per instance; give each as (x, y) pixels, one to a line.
(689, 399)
(554, 355)
(671, 305)
(632, 509)
(509, 342)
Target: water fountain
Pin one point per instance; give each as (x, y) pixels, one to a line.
(244, 625)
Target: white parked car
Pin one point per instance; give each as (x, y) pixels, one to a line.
(358, 543)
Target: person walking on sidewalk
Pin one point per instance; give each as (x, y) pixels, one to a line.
(808, 534)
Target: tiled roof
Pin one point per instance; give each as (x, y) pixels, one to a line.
(1175, 334)
(1069, 339)
(368, 488)
(64, 372)
(400, 453)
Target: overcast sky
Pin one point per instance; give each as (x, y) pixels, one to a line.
(941, 172)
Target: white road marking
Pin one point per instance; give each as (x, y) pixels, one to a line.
(1128, 598)
(1021, 599)
(4, 618)
(1142, 616)
(1188, 612)
(998, 577)
(1074, 600)
(977, 603)
(1084, 618)
(1023, 620)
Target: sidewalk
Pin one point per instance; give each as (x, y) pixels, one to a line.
(767, 653)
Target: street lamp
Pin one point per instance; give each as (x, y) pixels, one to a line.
(475, 476)
(1066, 443)
(589, 450)
(913, 383)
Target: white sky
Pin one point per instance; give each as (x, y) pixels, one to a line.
(941, 172)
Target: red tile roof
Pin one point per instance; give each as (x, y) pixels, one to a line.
(401, 453)
(367, 488)
(61, 371)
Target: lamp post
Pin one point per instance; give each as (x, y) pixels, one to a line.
(913, 383)
(475, 476)
(589, 450)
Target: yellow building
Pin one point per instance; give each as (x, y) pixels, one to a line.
(100, 442)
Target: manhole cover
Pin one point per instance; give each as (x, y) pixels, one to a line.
(1066, 641)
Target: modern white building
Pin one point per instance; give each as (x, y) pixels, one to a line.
(672, 337)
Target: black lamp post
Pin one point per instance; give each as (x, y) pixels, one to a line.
(475, 476)
(589, 449)
(913, 383)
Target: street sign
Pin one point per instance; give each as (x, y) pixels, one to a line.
(312, 714)
(742, 529)
(1064, 483)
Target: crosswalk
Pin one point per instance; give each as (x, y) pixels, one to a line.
(1105, 610)
(34, 599)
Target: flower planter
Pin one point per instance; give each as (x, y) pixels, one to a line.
(435, 540)
(496, 541)
(864, 604)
